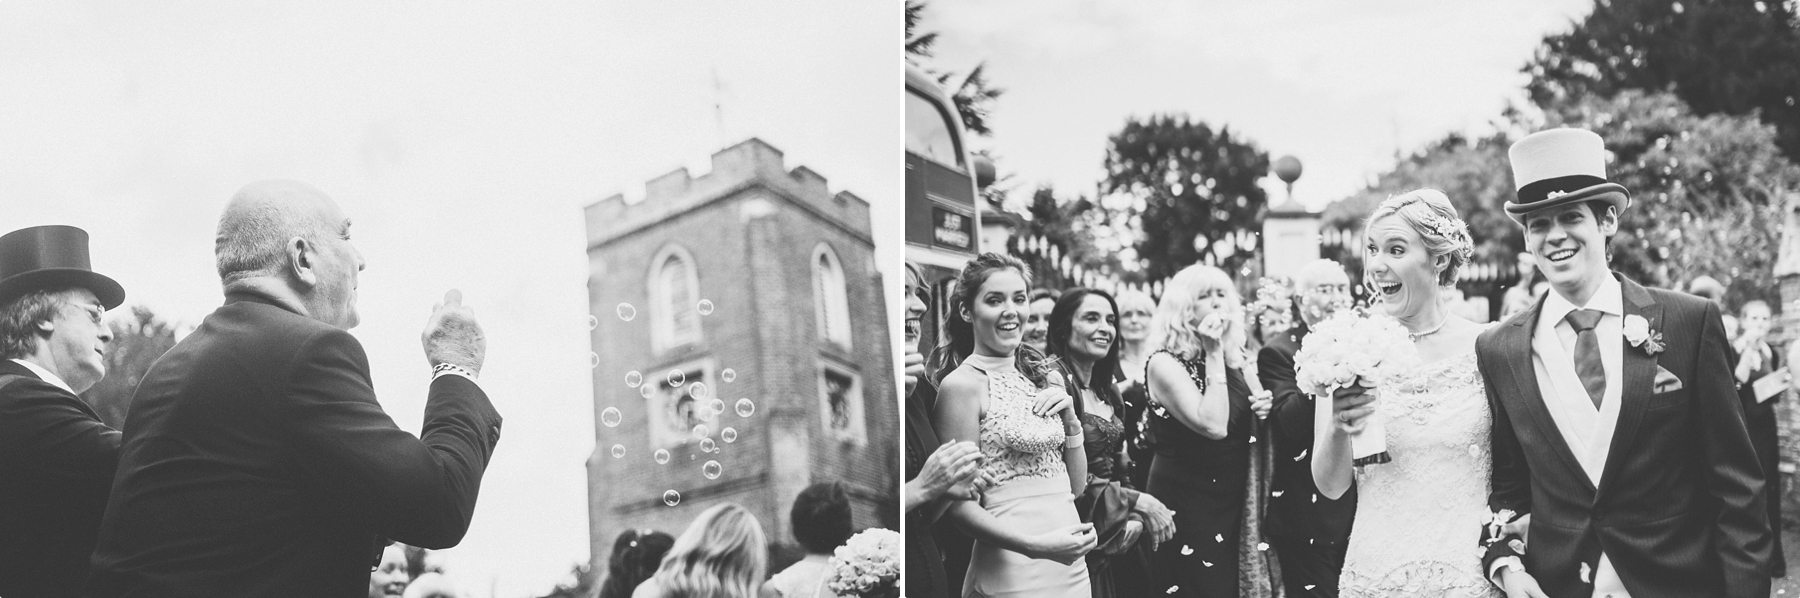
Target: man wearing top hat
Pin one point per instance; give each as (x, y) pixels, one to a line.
(56, 457)
(1616, 427)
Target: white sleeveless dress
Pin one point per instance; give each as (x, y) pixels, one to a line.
(1417, 517)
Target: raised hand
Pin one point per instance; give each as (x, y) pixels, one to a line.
(1351, 407)
(453, 336)
(949, 468)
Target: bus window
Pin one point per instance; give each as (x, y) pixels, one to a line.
(928, 133)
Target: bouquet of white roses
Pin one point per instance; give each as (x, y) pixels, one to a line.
(1353, 347)
(868, 565)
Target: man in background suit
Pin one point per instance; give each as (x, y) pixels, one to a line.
(256, 460)
(56, 457)
(1616, 424)
(1309, 535)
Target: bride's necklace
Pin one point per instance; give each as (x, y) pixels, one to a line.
(1415, 336)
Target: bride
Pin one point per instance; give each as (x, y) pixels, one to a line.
(1435, 415)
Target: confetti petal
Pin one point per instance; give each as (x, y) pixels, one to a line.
(1172, 589)
(1587, 573)
(1310, 586)
(1262, 546)
(1302, 455)
(1186, 550)
(1277, 493)
(1206, 563)
(1219, 538)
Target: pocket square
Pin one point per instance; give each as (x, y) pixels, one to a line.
(1666, 381)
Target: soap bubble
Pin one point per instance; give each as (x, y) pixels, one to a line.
(677, 378)
(701, 431)
(707, 445)
(627, 312)
(633, 378)
(745, 407)
(647, 390)
(593, 321)
(593, 359)
(716, 407)
(611, 417)
(729, 375)
(618, 451)
(729, 435)
(705, 307)
(671, 497)
(662, 456)
(711, 470)
(698, 390)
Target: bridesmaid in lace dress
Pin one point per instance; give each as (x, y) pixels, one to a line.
(1028, 538)
(1204, 420)
(1436, 417)
(1129, 524)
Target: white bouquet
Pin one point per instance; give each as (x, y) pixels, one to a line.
(1354, 347)
(868, 565)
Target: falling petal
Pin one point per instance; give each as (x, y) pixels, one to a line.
(1586, 573)
(1277, 493)
(1186, 550)
(1302, 455)
(1219, 538)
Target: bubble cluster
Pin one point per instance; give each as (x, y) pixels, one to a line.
(705, 307)
(711, 470)
(611, 417)
(627, 312)
(618, 451)
(634, 378)
(729, 435)
(745, 407)
(671, 497)
(661, 456)
(676, 378)
(729, 375)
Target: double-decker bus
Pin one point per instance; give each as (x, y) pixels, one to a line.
(943, 216)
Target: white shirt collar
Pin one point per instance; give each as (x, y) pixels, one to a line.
(45, 374)
(1608, 299)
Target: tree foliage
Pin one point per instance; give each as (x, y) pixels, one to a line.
(137, 342)
(973, 94)
(1193, 190)
(1706, 191)
(1718, 56)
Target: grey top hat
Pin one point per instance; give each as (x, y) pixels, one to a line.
(1558, 167)
(54, 256)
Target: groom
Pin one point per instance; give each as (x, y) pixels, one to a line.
(1615, 421)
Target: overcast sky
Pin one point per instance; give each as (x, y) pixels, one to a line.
(1339, 85)
(463, 140)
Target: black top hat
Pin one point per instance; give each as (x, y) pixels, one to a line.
(45, 257)
(1557, 167)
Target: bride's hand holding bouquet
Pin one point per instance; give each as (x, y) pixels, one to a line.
(1345, 358)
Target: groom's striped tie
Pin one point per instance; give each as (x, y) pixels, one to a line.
(1587, 352)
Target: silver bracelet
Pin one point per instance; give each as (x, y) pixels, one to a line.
(1072, 441)
(451, 368)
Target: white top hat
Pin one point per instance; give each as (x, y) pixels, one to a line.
(1559, 167)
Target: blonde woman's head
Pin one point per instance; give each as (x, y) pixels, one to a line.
(1188, 297)
(722, 554)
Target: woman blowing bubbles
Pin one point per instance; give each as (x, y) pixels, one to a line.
(1028, 538)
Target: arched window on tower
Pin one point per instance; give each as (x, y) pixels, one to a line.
(831, 301)
(674, 293)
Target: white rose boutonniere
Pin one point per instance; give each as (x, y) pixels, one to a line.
(1637, 332)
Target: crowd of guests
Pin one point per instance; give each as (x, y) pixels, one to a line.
(724, 553)
(1067, 442)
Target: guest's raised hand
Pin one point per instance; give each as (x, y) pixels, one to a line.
(915, 369)
(453, 336)
(1065, 545)
(948, 469)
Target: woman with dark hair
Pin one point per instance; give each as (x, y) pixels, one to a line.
(1028, 537)
(1129, 524)
(821, 521)
(635, 555)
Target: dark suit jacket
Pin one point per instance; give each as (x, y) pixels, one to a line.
(56, 463)
(1295, 513)
(257, 462)
(1679, 508)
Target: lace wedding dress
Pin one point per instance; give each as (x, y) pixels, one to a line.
(1417, 516)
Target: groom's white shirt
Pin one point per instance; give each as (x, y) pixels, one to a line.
(1588, 432)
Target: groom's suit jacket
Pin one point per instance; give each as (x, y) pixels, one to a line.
(56, 463)
(257, 462)
(1678, 507)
